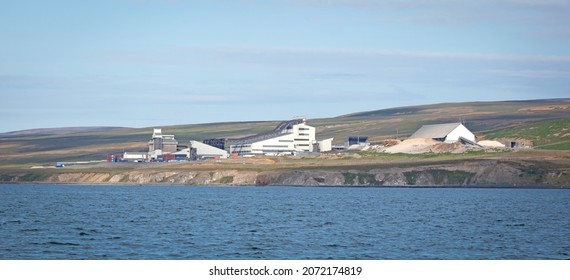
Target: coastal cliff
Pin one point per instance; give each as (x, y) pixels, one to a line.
(491, 173)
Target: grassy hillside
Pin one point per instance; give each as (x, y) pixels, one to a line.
(480, 117)
(539, 120)
(552, 135)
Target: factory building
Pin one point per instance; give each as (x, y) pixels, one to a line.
(448, 132)
(161, 144)
(289, 137)
(199, 150)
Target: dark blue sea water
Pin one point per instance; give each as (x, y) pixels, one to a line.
(184, 222)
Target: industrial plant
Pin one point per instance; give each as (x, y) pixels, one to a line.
(296, 137)
(288, 138)
(291, 137)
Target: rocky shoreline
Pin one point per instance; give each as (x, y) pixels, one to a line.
(480, 173)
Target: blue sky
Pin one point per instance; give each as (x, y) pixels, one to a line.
(142, 63)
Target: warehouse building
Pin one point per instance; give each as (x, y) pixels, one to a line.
(199, 150)
(289, 137)
(448, 132)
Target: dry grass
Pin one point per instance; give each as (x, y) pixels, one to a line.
(483, 118)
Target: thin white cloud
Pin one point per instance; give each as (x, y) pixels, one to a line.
(264, 52)
(160, 95)
(542, 15)
(534, 74)
(539, 2)
(424, 3)
(155, 1)
(200, 98)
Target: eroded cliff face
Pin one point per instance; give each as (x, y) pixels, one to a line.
(479, 173)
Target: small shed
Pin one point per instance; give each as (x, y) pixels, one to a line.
(447, 132)
(356, 141)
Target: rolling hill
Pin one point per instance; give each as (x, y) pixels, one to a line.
(487, 119)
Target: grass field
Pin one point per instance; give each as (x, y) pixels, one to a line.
(543, 121)
(552, 135)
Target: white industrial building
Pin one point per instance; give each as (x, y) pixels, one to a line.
(448, 132)
(289, 137)
(325, 145)
(135, 156)
(161, 144)
(202, 150)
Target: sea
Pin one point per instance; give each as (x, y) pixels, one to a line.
(68, 222)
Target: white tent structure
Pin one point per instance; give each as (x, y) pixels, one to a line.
(448, 132)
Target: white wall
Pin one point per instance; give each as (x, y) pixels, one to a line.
(307, 133)
(298, 139)
(278, 144)
(325, 145)
(207, 150)
(241, 149)
(460, 131)
(135, 156)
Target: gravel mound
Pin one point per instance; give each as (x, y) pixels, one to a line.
(413, 146)
(491, 144)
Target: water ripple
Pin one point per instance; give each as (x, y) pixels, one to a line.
(95, 222)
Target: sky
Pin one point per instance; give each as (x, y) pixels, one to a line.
(143, 63)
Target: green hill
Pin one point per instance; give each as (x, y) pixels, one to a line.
(480, 117)
(551, 135)
(543, 121)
